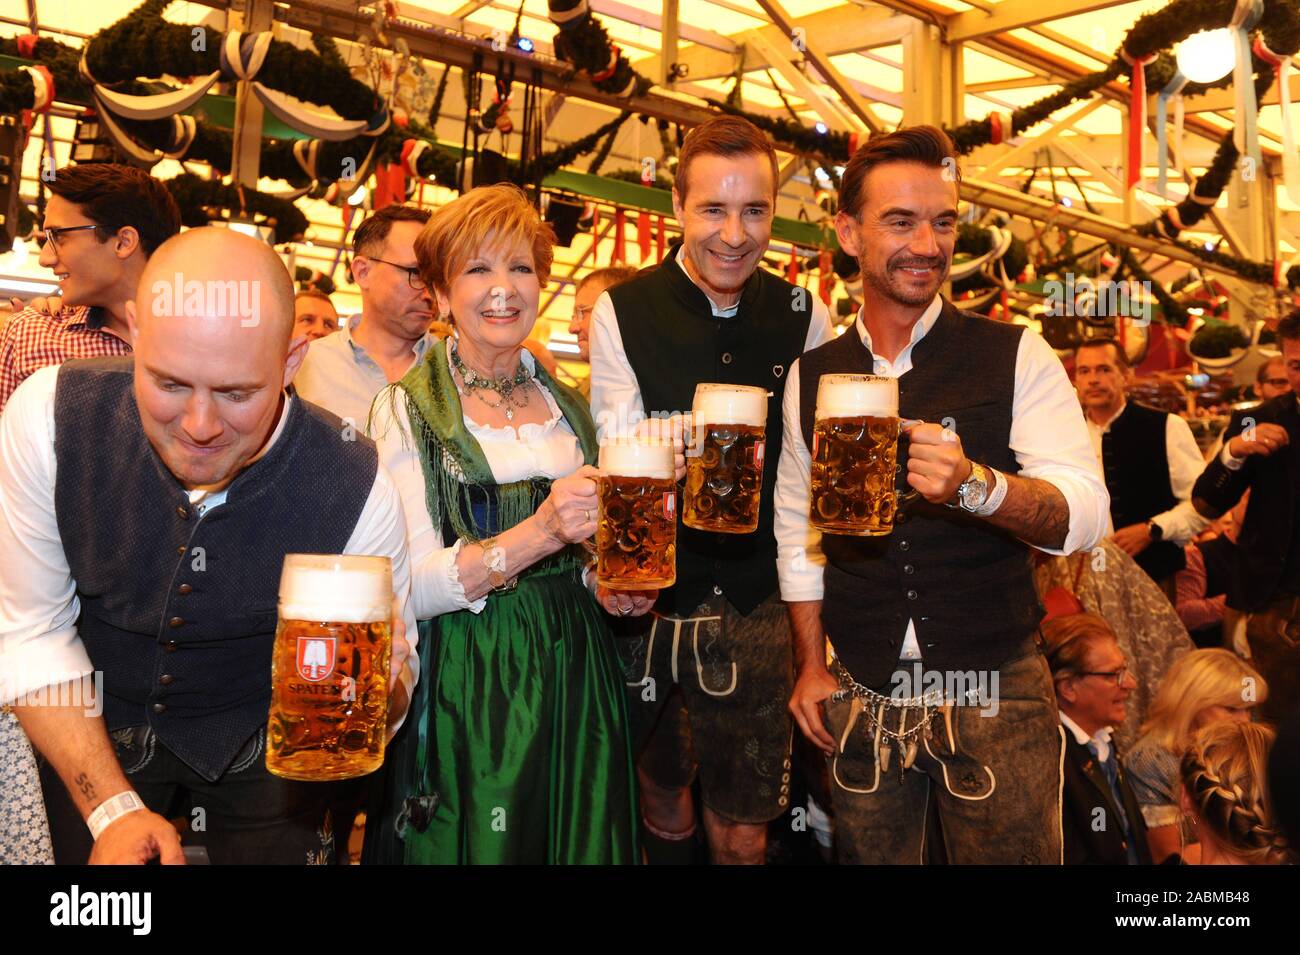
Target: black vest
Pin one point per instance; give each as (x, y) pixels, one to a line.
(178, 611)
(674, 342)
(1135, 459)
(965, 584)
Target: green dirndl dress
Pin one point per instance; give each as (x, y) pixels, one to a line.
(515, 748)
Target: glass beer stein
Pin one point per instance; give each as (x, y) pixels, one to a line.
(636, 532)
(854, 452)
(329, 672)
(724, 462)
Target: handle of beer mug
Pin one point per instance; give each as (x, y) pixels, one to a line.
(911, 494)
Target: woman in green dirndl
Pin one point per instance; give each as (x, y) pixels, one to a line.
(516, 747)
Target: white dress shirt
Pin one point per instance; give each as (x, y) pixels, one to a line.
(39, 644)
(1180, 523)
(1101, 739)
(615, 395)
(1048, 438)
(340, 376)
(550, 449)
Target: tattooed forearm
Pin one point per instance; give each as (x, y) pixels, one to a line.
(86, 786)
(1035, 511)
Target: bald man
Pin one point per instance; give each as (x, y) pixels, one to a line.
(146, 506)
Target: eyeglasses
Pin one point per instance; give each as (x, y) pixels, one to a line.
(412, 273)
(1116, 675)
(54, 233)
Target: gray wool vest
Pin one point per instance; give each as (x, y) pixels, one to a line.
(178, 611)
(965, 584)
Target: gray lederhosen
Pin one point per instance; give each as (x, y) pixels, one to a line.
(729, 719)
(987, 760)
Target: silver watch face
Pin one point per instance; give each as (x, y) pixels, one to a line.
(973, 493)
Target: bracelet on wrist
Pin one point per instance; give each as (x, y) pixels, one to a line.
(494, 559)
(112, 809)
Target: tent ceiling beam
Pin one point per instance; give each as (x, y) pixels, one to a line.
(996, 196)
(821, 59)
(833, 31)
(1015, 14)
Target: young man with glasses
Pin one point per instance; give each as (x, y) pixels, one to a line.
(102, 222)
(1101, 823)
(343, 372)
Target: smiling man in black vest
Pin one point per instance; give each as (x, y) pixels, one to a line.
(709, 313)
(1001, 462)
(146, 505)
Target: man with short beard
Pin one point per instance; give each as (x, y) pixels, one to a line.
(343, 372)
(709, 313)
(153, 557)
(949, 591)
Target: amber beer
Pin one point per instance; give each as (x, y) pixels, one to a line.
(636, 533)
(724, 466)
(855, 447)
(329, 672)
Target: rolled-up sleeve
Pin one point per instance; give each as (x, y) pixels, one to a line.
(1050, 442)
(435, 581)
(799, 560)
(39, 645)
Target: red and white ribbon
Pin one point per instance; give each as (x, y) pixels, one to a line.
(42, 86)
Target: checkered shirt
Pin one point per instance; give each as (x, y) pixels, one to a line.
(33, 339)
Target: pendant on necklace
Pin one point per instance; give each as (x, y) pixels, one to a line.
(510, 414)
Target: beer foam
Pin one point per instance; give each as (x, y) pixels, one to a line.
(848, 396)
(336, 588)
(730, 404)
(632, 457)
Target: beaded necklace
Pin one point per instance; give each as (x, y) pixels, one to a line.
(503, 388)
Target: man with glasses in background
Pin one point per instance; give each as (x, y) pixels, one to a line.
(589, 289)
(102, 222)
(343, 372)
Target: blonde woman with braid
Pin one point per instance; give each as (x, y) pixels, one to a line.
(1201, 688)
(1225, 796)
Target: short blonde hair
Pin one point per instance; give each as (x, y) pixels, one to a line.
(1224, 774)
(1198, 680)
(488, 217)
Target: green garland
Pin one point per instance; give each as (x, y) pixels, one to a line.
(585, 45)
(201, 201)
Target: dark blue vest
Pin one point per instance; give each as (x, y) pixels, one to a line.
(178, 611)
(965, 584)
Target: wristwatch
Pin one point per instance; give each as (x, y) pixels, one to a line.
(974, 491)
(1153, 529)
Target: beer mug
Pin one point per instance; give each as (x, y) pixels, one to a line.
(329, 672)
(636, 532)
(724, 464)
(855, 448)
